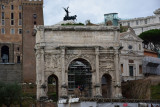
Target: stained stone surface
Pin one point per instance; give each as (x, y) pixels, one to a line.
(57, 46)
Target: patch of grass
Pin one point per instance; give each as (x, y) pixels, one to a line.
(155, 92)
(123, 28)
(32, 86)
(28, 102)
(29, 95)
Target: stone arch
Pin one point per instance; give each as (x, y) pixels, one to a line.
(106, 84)
(80, 68)
(81, 57)
(52, 81)
(5, 54)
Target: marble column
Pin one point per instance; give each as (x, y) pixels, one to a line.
(118, 93)
(40, 75)
(98, 83)
(63, 83)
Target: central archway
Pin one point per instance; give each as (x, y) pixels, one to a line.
(80, 78)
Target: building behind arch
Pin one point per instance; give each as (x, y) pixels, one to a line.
(17, 40)
(142, 24)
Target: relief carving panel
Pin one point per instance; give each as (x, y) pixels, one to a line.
(106, 63)
(52, 62)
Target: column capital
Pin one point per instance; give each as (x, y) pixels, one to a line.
(62, 50)
(97, 50)
(62, 47)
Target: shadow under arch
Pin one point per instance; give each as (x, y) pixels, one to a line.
(106, 84)
(53, 87)
(80, 78)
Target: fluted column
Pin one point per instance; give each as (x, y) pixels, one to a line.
(98, 84)
(40, 73)
(118, 93)
(63, 83)
(63, 64)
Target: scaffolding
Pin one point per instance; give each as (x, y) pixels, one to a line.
(151, 65)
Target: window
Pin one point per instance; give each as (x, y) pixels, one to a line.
(12, 15)
(20, 15)
(18, 59)
(130, 47)
(131, 61)
(20, 18)
(34, 16)
(128, 23)
(2, 7)
(19, 31)
(2, 30)
(137, 22)
(3, 15)
(12, 7)
(5, 54)
(145, 21)
(12, 18)
(12, 31)
(130, 70)
(3, 22)
(35, 22)
(20, 21)
(20, 7)
(12, 22)
(139, 46)
(121, 68)
(140, 69)
(17, 48)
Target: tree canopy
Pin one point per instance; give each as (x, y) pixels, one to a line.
(151, 38)
(9, 93)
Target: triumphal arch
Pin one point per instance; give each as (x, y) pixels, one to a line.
(78, 57)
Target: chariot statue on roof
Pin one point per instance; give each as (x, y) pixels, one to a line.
(67, 17)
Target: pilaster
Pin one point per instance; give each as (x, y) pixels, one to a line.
(63, 84)
(118, 93)
(98, 84)
(41, 85)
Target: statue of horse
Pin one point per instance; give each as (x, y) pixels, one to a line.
(70, 18)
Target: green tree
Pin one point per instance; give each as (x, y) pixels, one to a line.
(10, 93)
(151, 38)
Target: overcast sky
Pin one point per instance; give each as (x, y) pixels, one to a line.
(94, 10)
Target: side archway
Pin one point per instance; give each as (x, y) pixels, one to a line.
(53, 87)
(106, 84)
(80, 78)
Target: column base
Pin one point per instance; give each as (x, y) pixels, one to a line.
(98, 96)
(43, 98)
(64, 97)
(118, 96)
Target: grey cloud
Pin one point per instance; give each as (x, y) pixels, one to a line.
(95, 9)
